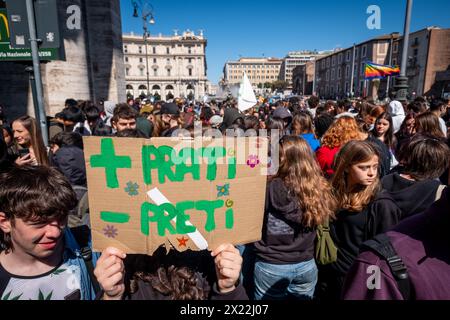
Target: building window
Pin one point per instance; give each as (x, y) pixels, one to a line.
(394, 61)
(127, 71)
(154, 60)
(333, 61)
(189, 50)
(190, 60)
(364, 51)
(154, 50)
(340, 58)
(347, 86)
(328, 62)
(190, 72)
(168, 50)
(323, 64)
(140, 49)
(126, 59)
(155, 72)
(363, 67)
(356, 53)
(396, 47)
(125, 49)
(327, 76)
(333, 72)
(416, 52)
(141, 60)
(168, 60)
(168, 72)
(347, 58)
(339, 73)
(347, 71)
(141, 71)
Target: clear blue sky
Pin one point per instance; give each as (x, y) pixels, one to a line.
(273, 28)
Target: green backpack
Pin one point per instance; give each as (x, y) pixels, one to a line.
(326, 251)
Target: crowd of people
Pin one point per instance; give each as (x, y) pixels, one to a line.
(371, 175)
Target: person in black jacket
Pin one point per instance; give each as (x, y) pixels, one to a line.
(413, 189)
(298, 199)
(356, 184)
(171, 276)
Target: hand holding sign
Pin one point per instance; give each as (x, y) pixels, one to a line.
(228, 263)
(110, 273)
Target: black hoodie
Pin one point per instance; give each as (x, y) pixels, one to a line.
(401, 198)
(284, 239)
(229, 117)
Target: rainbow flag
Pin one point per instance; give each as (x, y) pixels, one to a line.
(378, 71)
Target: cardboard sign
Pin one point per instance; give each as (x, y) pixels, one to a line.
(188, 194)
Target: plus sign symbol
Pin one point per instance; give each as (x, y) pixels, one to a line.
(111, 162)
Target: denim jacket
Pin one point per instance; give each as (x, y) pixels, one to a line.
(72, 256)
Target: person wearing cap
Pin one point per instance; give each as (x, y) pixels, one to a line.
(170, 115)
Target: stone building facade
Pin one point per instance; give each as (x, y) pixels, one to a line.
(427, 66)
(176, 66)
(259, 70)
(333, 73)
(303, 78)
(428, 61)
(294, 59)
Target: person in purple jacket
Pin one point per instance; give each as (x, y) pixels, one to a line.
(422, 243)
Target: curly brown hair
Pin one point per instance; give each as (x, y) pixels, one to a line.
(342, 131)
(176, 283)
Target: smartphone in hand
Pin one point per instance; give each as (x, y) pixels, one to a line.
(23, 152)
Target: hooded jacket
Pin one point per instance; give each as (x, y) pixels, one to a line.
(422, 243)
(284, 239)
(109, 111)
(400, 199)
(398, 114)
(230, 116)
(70, 161)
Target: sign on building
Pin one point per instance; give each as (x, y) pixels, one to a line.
(14, 33)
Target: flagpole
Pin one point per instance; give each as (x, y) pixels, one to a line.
(353, 72)
(390, 64)
(401, 83)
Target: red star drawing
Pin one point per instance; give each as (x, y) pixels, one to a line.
(182, 242)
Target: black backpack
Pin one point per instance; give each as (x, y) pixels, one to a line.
(382, 247)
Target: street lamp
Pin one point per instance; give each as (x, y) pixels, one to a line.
(147, 17)
(401, 83)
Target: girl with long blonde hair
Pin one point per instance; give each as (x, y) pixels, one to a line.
(298, 199)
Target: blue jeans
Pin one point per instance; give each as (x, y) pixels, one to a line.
(248, 266)
(284, 281)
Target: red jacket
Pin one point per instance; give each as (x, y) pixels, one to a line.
(325, 157)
